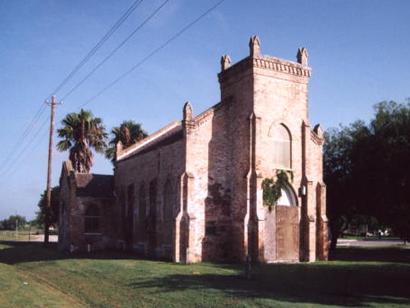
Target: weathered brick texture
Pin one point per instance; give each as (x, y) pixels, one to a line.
(192, 191)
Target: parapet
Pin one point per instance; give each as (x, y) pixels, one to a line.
(256, 60)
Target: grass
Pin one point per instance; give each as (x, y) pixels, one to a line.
(31, 275)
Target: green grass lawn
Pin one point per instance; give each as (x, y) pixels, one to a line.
(31, 275)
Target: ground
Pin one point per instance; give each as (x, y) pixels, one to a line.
(25, 235)
(31, 275)
(370, 242)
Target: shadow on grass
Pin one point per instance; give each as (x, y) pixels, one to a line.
(388, 254)
(18, 252)
(337, 284)
(347, 283)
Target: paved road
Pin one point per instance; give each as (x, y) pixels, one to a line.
(370, 243)
(40, 238)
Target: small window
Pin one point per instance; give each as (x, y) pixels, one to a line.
(92, 219)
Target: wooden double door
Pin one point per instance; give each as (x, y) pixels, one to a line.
(287, 233)
(282, 234)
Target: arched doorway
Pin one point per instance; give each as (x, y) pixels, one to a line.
(282, 229)
(287, 226)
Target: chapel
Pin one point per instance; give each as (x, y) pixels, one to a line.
(193, 190)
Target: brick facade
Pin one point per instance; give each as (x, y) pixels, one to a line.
(192, 191)
(86, 198)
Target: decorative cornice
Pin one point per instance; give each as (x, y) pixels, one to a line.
(315, 138)
(278, 65)
(266, 63)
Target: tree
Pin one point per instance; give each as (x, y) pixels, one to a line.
(338, 166)
(80, 133)
(54, 209)
(128, 133)
(367, 170)
(10, 223)
(391, 135)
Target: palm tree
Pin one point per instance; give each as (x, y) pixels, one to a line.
(81, 132)
(128, 133)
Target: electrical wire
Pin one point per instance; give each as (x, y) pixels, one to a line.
(30, 127)
(153, 52)
(101, 42)
(115, 50)
(10, 170)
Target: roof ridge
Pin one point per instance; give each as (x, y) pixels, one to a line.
(151, 139)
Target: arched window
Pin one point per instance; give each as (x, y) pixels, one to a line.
(130, 212)
(153, 200)
(92, 218)
(287, 198)
(167, 201)
(130, 201)
(142, 203)
(282, 147)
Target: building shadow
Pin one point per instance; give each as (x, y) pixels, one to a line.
(19, 252)
(341, 285)
(388, 254)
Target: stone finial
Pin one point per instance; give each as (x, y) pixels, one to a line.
(318, 130)
(254, 46)
(302, 56)
(225, 62)
(119, 147)
(187, 112)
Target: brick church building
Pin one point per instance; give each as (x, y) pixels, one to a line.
(192, 191)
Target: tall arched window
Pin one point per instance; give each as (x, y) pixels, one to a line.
(92, 219)
(130, 201)
(142, 204)
(153, 200)
(130, 212)
(167, 201)
(282, 150)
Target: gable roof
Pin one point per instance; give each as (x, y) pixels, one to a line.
(94, 185)
(160, 135)
(166, 135)
(87, 184)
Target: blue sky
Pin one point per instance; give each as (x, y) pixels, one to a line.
(359, 53)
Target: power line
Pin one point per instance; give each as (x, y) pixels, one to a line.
(146, 58)
(29, 129)
(92, 52)
(34, 120)
(10, 170)
(115, 50)
(152, 53)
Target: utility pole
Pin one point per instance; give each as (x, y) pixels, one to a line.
(52, 105)
(17, 227)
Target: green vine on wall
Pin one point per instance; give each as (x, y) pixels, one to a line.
(272, 190)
